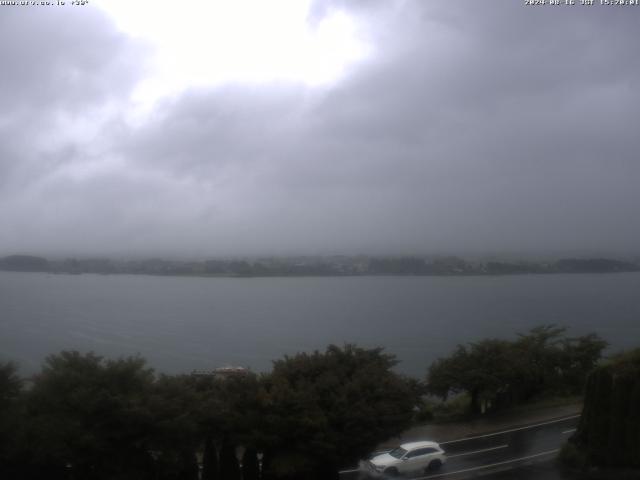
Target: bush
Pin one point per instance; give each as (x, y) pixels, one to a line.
(455, 407)
(424, 413)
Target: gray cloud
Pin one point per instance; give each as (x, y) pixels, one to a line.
(472, 128)
(60, 68)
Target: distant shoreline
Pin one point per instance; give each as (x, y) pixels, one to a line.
(342, 266)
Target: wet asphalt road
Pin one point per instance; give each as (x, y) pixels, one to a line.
(521, 452)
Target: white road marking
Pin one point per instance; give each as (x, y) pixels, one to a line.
(512, 430)
(497, 470)
(571, 430)
(548, 452)
(478, 451)
(348, 471)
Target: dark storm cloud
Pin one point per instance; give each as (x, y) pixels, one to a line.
(473, 127)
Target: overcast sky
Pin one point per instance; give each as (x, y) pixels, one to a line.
(285, 127)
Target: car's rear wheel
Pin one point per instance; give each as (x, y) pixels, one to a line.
(434, 465)
(391, 472)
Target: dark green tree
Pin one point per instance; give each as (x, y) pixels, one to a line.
(229, 467)
(500, 373)
(11, 420)
(174, 405)
(579, 357)
(88, 416)
(327, 410)
(250, 464)
(483, 370)
(210, 467)
(609, 430)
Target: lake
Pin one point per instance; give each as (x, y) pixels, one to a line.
(183, 323)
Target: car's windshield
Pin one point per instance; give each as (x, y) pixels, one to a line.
(397, 452)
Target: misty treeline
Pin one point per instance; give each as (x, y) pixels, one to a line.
(86, 417)
(342, 265)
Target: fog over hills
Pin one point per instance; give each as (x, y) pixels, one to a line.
(414, 128)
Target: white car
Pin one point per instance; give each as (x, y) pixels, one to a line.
(407, 458)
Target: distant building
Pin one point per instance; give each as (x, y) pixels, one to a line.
(222, 372)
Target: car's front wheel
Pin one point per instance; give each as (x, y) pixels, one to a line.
(391, 472)
(434, 465)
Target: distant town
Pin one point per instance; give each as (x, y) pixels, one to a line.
(332, 266)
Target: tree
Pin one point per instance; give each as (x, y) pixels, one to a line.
(580, 356)
(483, 370)
(609, 428)
(229, 467)
(89, 415)
(250, 469)
(11, 419)
(10, 385)
(327, 410)
(499, 373)
(174, 407)
(539, 358)
(210, 467)
(230, 412)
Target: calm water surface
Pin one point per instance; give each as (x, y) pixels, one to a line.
(180, 324)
